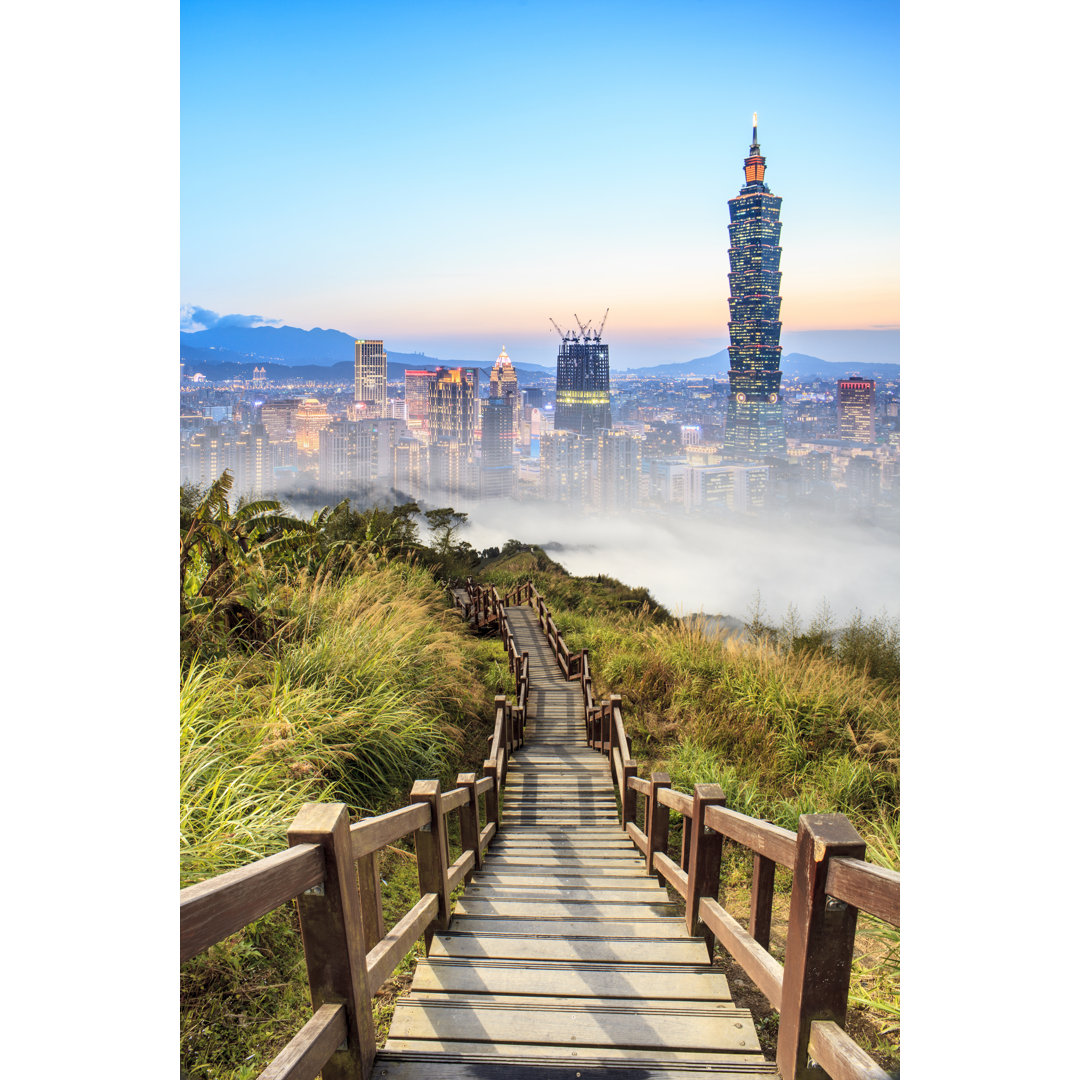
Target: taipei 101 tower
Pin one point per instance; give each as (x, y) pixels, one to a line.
(755, 423)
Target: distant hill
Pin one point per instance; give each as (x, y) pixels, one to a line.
(790, 364)
(287, 349)
(220, 365)
(329, 354)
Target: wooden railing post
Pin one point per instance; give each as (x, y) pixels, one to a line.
(659, 819)
(431, 862)
(469, 821)
(614, 702)
(820, 940)
(332, 928)
(703, 875)
(370, 886)
(507, 739)
(491, 803)
(761, 899)
(629, 795)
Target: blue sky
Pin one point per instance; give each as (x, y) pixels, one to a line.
(448, 176)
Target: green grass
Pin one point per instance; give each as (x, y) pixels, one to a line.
(368, 684)
(784, 726)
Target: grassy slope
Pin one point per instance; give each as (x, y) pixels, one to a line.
(783, 732)
(370, 684)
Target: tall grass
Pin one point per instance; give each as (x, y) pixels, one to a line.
(368, 684)
(786, 723)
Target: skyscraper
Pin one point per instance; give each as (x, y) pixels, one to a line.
(755, 424)
(496, 448)
(855, 410)
(582, 390)
(370, 375)
(503, 377)
(417, 384)
(451, 395)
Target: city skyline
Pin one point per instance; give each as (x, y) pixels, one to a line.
(477, 222)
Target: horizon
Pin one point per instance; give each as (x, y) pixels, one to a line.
(881, 346)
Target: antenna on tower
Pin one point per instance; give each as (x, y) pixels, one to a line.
(754, 140)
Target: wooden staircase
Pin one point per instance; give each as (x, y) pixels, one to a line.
(564, 957)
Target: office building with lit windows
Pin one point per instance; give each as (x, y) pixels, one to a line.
(755, 424)
(855, 406)
(370, 376)
(497, 448)
(582, 388)
(451, 407)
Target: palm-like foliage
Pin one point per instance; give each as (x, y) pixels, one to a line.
(221, 556)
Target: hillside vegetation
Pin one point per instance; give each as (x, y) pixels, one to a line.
(320, 661)
(786, 721)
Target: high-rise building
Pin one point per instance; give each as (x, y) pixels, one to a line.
(497, 449)
(755, 423)
(370, 375)
(855, 408)
(503, 377)
(582, 388)
(451, 398)
(618, 470)
(562, 467)
(417, 385)
(311, 418)
(279, 418)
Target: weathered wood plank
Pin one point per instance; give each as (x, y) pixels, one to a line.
(375, 832)
(625, 895)
(215, 908)
(386, 956)
(872, 889)
(760, 836)
(671, 871)
(677, 1027)
(461, 866)
(508, 1062)
(653, 928)
(554, 909)
(764, 969)
(833, 1049)
(631, 950)
(453, 799)
(311, 1047)
(483, 976)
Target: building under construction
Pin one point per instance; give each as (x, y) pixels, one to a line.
(582, 386)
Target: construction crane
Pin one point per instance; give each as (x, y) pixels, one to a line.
(602, 322)
(584, 329)
(562, 333)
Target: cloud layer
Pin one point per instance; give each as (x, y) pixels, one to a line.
(193, 317)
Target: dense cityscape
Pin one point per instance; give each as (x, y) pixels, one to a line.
(746, 441)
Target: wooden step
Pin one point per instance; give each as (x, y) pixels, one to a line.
(572, 980)
(565, 909)
(645, 927)
(525, 947)
(407, 1059)
(560, 1023)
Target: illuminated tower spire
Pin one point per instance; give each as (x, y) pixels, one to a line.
(754, 165)
(755, 427)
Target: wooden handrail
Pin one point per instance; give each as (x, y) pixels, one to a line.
(222, 905)
(311, 1047)
(374, 833)
(870, 888)
(828, 861)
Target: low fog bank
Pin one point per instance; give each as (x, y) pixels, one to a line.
(714, 566)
